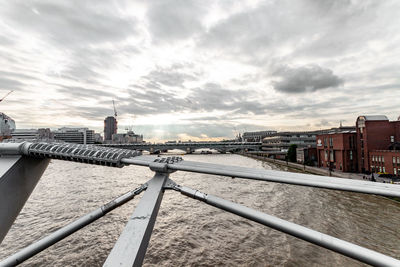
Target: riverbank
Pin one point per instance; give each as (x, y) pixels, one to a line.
(312, 170)
(307, 169)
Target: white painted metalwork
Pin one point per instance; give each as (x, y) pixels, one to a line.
(69, 229)
(131, 247)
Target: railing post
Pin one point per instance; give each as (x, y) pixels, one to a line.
(18, 177)
(131, 246)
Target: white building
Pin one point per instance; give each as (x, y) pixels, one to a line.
(256, 136)
(42, 134)
(75, 135)
(127, 138)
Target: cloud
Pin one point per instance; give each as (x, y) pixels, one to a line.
(10, 84)
(171, 20)
(72, 23)
(77, 92)
(171, 76)
(305, 79)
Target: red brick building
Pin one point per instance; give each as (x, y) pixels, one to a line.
(375, 133)
(338, 150)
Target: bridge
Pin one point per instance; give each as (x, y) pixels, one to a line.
(190, 147)
(22, 164)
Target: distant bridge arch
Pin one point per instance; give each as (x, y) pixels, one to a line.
(190, 147)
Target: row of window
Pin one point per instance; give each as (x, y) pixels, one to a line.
(378, 159)
(378, 169)
(382, 169)
(382, 159)
(330, 141)
(331, 155)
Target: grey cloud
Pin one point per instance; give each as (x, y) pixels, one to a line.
(213, 97)
(175, 19)
(210, 97)
(305, 79)
(70, 23)
(260, 31)
(80, 92)
(168, 76)
(9, 84)
(17, 75)
(305, 29)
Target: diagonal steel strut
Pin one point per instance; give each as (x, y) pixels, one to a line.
(131, 246)
(332, 243)
(69, 229)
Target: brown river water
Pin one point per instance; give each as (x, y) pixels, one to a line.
(191, 233)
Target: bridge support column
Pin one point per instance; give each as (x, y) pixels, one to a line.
(18, 177)
(189, 150)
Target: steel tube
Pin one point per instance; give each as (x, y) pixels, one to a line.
(327, 182)
(131, 246)
(332, 243)
(69, 229)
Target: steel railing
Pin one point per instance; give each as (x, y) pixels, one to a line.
(131, 246)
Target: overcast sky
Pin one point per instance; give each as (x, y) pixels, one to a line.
(199, 69)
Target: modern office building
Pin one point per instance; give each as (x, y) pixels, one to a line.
(42, 134)
(110, 128)
(75, 135)
(256, 136)
(338, 149)
(281, 141)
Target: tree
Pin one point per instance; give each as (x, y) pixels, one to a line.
(291, 154)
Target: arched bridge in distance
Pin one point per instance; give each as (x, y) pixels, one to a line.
(190, 147)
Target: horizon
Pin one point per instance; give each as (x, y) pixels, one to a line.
(199, 70)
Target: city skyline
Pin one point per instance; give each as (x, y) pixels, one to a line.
(199, 69)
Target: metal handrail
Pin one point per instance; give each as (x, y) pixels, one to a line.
(132, 244)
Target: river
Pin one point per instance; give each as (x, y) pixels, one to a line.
(191, 233)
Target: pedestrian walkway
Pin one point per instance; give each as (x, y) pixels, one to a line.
(310, 169)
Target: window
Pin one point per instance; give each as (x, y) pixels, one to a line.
(383, 159)
(330, 141)
(398, 159)
(394, 159)
(392, 139)
(351, 155)
(383, 168)
(326, 155)
(331, 156)
(395, 171)
(373, 168)
(380, 169)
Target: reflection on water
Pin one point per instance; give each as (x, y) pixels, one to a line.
(190, 233)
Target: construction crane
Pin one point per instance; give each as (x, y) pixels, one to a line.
(6, 95)
(115, 110)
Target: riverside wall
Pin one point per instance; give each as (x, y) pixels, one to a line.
(305, 168)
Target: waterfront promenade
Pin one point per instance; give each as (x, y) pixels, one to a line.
(308, 169)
